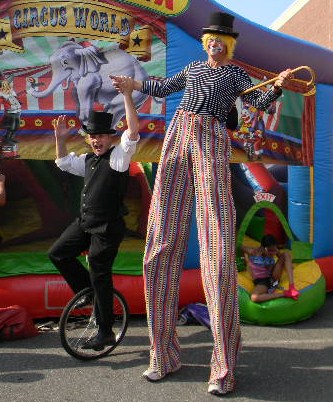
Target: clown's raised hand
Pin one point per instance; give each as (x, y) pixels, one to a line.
(122, 83)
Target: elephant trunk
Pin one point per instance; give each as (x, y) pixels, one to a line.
(55, 82)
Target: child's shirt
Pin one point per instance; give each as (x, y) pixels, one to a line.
(261, 266)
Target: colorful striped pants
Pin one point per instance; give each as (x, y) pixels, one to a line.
(194, 163)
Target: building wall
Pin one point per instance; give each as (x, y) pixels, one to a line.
(313, 22)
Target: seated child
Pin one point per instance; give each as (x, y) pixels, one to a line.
(266, 264)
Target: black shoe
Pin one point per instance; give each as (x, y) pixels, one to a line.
(99, 341)
(85, 301)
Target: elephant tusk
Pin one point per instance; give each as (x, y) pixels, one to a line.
(66, 86)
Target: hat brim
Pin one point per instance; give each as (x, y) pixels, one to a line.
(96, 132)
(220, 31)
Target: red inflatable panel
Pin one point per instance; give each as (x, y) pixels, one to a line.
(41, 295)
(262, 175)
(326, 267)
(46, 295)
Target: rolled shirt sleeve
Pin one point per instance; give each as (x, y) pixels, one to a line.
(72, 163)
(121, 155)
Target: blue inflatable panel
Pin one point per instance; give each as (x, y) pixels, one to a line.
(185, 50)
(299, 201)
(323, 173)
(192, 259)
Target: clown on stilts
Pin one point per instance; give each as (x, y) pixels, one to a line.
(194, 166)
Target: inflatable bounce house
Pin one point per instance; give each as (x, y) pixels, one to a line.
(56, 58)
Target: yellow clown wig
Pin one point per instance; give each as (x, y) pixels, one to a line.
(228, 41)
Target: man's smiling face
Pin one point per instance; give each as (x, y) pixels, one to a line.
(100, 143)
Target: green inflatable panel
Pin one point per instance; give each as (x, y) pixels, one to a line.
(282, 311)
(126, 263)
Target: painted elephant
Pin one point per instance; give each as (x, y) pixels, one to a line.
(89, 67)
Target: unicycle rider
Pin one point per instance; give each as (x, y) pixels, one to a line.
(100, 226)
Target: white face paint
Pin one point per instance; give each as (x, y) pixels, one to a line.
(215, 50)
(215, 46)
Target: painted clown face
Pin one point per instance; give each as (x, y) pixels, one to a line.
(215, 46)
(247, 113)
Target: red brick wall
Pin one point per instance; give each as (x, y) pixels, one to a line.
(313, 23)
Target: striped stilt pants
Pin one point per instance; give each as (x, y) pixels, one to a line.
(194, 163)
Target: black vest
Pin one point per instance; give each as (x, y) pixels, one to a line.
(103, 193)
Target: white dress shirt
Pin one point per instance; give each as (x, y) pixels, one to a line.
(120, 157)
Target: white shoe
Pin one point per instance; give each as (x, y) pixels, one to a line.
(215, 389)
(152, 375)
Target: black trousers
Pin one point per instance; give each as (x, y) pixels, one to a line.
(102, 250)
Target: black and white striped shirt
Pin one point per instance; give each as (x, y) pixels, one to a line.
(210, 91)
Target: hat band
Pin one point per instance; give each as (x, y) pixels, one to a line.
(222, 28)
(97, 127)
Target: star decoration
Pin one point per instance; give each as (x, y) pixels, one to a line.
(3, 34)
(137, 41)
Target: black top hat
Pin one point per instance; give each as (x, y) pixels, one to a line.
(221, 23)
(99, 123)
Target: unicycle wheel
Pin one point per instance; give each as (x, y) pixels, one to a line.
(78, 324)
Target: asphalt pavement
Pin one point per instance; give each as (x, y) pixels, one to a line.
(287, 363)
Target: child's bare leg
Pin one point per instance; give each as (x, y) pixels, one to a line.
(288, 266)
(260, 294)
(278, 269)
(286, 263)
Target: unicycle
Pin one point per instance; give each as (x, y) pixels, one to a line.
(78, 324)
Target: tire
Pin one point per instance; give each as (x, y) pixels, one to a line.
(78, 324)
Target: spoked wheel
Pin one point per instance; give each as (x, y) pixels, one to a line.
(78, 324)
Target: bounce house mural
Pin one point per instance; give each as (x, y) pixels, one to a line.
(56, 57)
